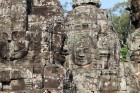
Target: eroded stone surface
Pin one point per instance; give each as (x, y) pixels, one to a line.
(133, 41)
(31, 38)
(34, 52)
(94, 50)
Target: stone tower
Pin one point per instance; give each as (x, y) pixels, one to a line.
(33, 35)
(133, 41)
(94, 49)
(31, 46)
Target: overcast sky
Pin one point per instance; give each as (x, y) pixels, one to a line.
(105, 3)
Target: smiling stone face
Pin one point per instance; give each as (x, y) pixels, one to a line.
(13, 45)
(82, 54)
(134, 46)
(18, 35)
(82, 48)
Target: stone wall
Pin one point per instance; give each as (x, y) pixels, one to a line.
(94, 49)
(133, 42)
(32, 38)
(42, 51)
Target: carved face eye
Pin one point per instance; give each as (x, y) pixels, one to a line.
(4, 36)
(82, 56)
(18, 35)
(86, 50)
(79, 53)
(83, 51)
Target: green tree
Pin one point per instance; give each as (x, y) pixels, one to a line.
(124, 51)
(121, 21)
(122, 25)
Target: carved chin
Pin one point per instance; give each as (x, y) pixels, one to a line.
(15, 55)
(135, 58)
(82, 62)
(59, 59)
(19, 55)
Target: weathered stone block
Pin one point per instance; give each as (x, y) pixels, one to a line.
(28, 84)
(40, 3)
(53, 77)
(37, 81)
(5, 75)
(17, 84)
(5, 24)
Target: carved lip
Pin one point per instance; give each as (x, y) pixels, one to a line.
(80, 58)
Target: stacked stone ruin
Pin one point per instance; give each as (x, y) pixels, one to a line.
(133, 42)
(94, 48)
(31, 37)
(42, 51)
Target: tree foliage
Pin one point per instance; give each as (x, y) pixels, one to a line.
(124, 51)
(121, 21)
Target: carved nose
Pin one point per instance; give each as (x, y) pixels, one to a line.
(9, 40)
(81, 55)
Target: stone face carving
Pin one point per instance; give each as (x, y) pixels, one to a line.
(82, 50)
(18, 39)
(82, 54)
(134, 9)
(134, 46)
(134, 55)
(133, 43)
(94, 49)
(32, 46)
(15, 46)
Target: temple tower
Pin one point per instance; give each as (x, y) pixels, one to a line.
(94, 48)
(133, 42)
(32, 38)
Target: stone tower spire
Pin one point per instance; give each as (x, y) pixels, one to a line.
(76, 3)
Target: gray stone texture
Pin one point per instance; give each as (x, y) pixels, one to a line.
(42, 51)
(31, 38)
(94, 49)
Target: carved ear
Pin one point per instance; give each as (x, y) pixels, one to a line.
(4, 36)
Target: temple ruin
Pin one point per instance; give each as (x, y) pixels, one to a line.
(31, 40)
(94, 48)
(44, 51)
